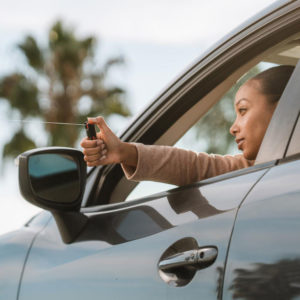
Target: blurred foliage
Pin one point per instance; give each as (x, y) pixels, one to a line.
(18, 144)
(213, 128)
(61, 75)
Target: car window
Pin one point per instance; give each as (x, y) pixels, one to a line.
(210, 134)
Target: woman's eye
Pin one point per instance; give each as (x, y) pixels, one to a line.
(242, 110)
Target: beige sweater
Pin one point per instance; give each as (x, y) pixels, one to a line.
(178, 166)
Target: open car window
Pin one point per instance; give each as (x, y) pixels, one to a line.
(168, 120)
(210, 134)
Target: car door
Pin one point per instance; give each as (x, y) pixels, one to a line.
(119, 256)
(264, 255)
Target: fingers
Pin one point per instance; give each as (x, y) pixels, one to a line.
(96, 160)
(93, 151)
(100, 161)
(86, 143)
(94, 156)
(100, 122)
(96, 151)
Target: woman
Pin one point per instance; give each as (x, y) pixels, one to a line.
(254, 104)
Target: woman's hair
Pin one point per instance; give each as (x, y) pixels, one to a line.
(273, 81)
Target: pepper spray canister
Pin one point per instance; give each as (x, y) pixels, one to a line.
(90, 131)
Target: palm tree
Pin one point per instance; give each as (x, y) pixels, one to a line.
(61, 77)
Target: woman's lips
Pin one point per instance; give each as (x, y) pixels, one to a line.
(240, 143)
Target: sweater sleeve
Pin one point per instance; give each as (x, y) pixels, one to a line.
(178, 166)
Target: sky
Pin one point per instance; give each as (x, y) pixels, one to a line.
(158, 40)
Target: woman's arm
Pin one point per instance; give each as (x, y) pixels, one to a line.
(179, 166)
(156, 163)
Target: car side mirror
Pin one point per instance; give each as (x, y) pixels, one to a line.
(54, 178)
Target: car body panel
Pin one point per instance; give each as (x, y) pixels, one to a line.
(124, 246)
(14, 250)
(264, 257)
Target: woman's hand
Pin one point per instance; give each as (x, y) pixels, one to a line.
(107, 148)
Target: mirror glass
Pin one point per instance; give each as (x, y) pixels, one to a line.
(54, 177)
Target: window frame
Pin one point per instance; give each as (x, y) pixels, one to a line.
(276, 140)
(294, 145)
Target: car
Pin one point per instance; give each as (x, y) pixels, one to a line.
(233, 236)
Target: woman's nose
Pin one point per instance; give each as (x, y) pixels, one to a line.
(233, 129)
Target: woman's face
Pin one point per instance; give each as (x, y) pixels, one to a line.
(253, 114)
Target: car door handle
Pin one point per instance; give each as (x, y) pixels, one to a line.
(198, 258)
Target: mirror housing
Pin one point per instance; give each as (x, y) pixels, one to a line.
(54, 178)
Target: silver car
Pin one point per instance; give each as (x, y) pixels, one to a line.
(234, 236)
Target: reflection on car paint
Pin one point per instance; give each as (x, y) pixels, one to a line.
(157, 215)
(279, 280)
